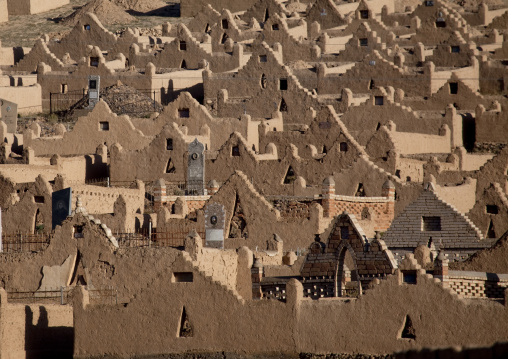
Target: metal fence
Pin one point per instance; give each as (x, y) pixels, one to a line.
(156, 240)
(63, 296)
(63, 101)
(19, 242)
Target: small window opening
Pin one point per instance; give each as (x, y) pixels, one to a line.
(64, 88)
(492, 209)
(183, 65)
(208, 29)
(397, 173)
(235, 151)
(491, 233)
(456, 49)
(170, 168)
(283, 84)
(169, 144)
(283, 106)
(290, 176)
(429, 3)
(275, 27)
(344, 232)
(324, 151)
(454, 88)
(225, 24)
(267, 15)
(263, 81)
(39, 199)
(364, 42)
(409, 277)
(371, 84)
(183, 113)
(343, 147)
(92, 84)
(440, 23)
(431, 223)
(183, 277)
(104, 126)
(262, 58)
(183, 46)
(408, 331)
(378, 126)
(378, 100)
(364, 14)
(185, 328)
(94, 61)
(360, 192)
(224, 38)
(78, 231)
(86, 27)
(408, 179)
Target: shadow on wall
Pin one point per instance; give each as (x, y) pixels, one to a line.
(172, 10)
(42, 341)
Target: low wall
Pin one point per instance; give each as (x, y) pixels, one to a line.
(35, 330)
(102, 199)
(28, 98)
(220, 321)
(27, 7)
(478, 284)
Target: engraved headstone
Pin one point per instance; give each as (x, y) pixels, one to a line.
(9, 113)
(214, 225)
(196, 169)
(61, 202)
(94, 82)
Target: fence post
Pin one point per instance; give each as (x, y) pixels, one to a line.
(150, 232)
(61, 296)
(154, 101)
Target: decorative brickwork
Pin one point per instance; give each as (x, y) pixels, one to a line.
(325, 273)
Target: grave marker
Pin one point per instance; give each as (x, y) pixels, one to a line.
(214, 225)
(196, 169)
(9, 114)
(61, 202)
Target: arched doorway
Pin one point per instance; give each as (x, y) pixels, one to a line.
(347, 281)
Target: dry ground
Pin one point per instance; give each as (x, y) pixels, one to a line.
(24, 30)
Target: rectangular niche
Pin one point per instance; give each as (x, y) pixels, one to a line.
(182, 277)
(431, 223)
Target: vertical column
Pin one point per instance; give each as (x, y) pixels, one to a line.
(159, 194)
(256, 276)
(441, 268)
(328, 197)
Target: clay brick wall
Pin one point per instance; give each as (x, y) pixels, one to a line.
(190, 8)
(28, 98)
(102, 199)
(87, 134)
(24, 335)
(27, 7)
(477, 284)
(382, 208)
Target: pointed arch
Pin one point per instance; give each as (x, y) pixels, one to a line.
(283, 106)
(263, 81)
(340, 290)
(183, 65)
(170, 167)
(224, 38)
(290, 176)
